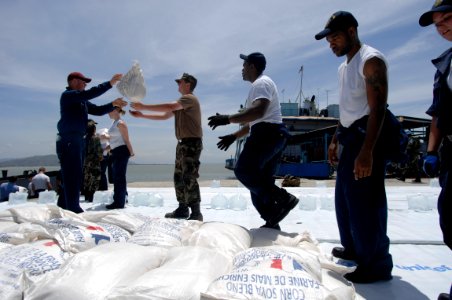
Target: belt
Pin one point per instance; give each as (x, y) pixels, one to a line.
(189, 140)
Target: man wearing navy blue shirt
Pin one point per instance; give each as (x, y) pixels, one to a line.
(75, 106)
(439, 149)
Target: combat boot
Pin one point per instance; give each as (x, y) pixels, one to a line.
(285, 202)
(195, 212)
(179, 213)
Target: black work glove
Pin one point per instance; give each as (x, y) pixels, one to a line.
(226, 141)
(218, 120)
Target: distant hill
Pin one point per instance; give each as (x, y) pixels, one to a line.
(35, 161)
(38, 160)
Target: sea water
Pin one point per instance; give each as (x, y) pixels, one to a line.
(146, 172)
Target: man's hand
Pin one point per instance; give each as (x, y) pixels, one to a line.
(218, 120)
(119, 102)
(136, 114)
(226, 141)
(431, 164)
(363, 165)
(136, 105)
(114, 80)
(332, 154)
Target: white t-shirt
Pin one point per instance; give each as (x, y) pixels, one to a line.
(264, 87)
(40, 181)
(353, 103)
(116, 138)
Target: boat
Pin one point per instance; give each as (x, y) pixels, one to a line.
(311, 131)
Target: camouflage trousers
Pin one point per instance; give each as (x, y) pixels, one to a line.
(186, 171)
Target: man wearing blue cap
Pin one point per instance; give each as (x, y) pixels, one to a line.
(440, 137)
(267, 138)
(360, 196)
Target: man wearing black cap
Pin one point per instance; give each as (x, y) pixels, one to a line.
(256, 165)
(361, 205)
(74, 109)
(441, 111)
(187, 113)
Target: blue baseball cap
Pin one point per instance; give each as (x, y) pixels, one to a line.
(439, 6)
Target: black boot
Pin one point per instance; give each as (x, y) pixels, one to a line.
(285, 202)
(180, 213)
(195, 212)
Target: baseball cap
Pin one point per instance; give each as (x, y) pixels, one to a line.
(91, 122)
(439, 6)
(340, 20)
(255, 58)
(78, 75)
(188, 78)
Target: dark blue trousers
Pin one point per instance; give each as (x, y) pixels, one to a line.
(120, 158)
(445, 197)
(257, 163)
(70, 153)
(361, 207)
(103, 185)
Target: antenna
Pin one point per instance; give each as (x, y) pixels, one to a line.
(327, 92)
(300, 96)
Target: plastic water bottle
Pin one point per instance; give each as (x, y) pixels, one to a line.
(219, 201)
(308, 202)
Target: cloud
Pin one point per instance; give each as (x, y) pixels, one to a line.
(42, 41)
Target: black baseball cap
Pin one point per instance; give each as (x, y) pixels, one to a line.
(340, 20)
(188, 78)
(439, 6)
(255, 58)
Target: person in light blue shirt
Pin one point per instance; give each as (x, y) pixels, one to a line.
(7, 188)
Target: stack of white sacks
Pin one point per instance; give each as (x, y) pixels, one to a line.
(50, 253)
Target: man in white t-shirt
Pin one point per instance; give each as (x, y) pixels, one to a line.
(257, 162)
(40, 182)
(360, 196)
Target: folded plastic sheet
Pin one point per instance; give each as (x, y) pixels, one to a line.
(132, 84)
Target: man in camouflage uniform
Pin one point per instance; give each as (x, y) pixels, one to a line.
(187, 113)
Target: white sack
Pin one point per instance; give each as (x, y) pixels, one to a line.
(253, 256)
(23, 233)
(5, 246)
(92, 274)
(185, 273)
(76, 236)
(32, 260)
(267, 237)
(40, 213)
(128, 221)
(228, 239)
(118, 234)
(272, 278)
(164, 232)
(132, 84)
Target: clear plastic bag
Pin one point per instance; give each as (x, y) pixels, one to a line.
(132, 85)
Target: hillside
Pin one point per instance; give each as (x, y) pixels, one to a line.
(38, 160)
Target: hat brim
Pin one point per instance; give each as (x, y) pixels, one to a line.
(323, 33)
(87, 80)
(244, 57)
(427, 18)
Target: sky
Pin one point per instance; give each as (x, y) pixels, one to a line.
(43, 41)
